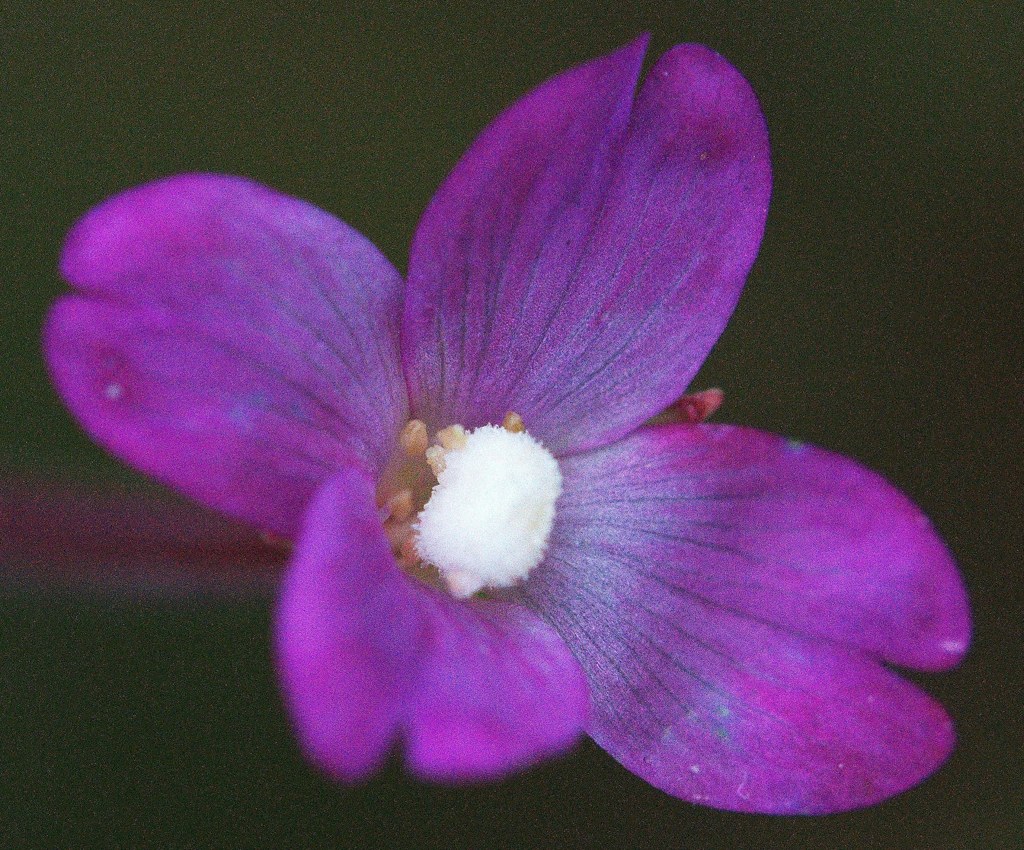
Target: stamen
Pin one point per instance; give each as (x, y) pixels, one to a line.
(400, 506)
(452, 437)
(700, 406)
(407, 554)
(690, 409)
(513, 423)
(414, 439)
(398, 534)
(435, 459)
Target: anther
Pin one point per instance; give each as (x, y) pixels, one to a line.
(697, 407)
(400, 506)
(407, 554)
(398, 534)
(452, 437)
(413, 439)
(513, 423)
(690, 409)
(435, 460)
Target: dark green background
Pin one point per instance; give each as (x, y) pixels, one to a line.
(882, 320)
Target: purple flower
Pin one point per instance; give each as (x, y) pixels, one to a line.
(714, 605)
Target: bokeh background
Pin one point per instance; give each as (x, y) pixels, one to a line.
(883, 320)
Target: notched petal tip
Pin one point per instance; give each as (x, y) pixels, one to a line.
(586, 252)
(733, 596)
(113, 239)
(722, 119)
(257, 335)
(520, 698)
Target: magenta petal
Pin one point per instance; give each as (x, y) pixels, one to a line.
(347, 631)
(778, 530)
(583, 257)
(498, 691)
(230, 341)
(730, 595)
(367, 654)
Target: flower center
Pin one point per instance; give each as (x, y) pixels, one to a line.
(487, 520)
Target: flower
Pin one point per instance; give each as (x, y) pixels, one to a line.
(714, 605)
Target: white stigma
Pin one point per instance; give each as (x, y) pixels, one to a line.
(489, 516)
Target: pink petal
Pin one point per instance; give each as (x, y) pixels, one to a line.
(347, 629)
(583, 257)
(230, 341)
(731, 595)
(367, 654)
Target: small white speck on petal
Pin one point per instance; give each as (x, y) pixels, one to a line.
(742, 791)
(113, 391)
